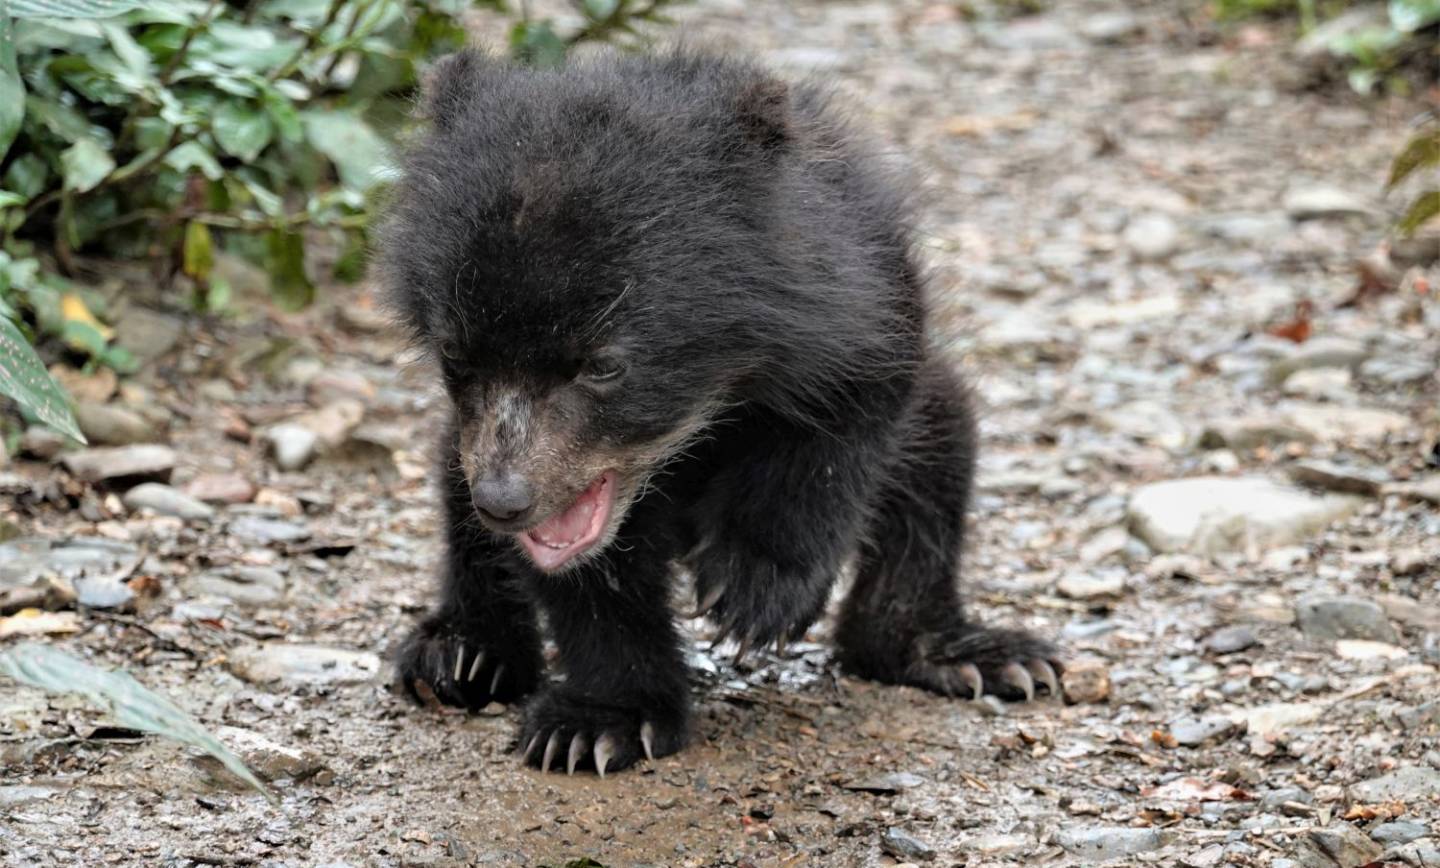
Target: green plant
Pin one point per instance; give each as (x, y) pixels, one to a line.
(1421, 152)
(169, 129)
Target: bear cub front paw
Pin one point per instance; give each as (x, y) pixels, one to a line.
(600, 736)
(462, 668)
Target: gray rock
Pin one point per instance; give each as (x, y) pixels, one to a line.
(1338, 845)
(1086, 585)
(1250, 432)
(1319, 352)
(164, 500)
(1319, 201)
(1398, 370)
(1399, 832)
(1105, 843)
(268, 759)
(1108, 28)
(903, 845)
(1228, 640)
(1152, 237)
(121, 466)
(1329, 618)
(147, 334)
(112, 425)
(1363, 425)
(1209, 515)
(293, 446)
(1275, 799)
(1327, 384)
(1248, 228)
(1193, 732)
(303, 664)
(260, 529)
(103, 591)
(248, 586)
(42, 442)
(1344, 478)
(221, 488)
(1408, 784)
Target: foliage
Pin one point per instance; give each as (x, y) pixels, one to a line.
(169, 129)
(128, 701)
(1421, 152)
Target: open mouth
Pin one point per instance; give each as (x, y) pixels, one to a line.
(566, 535)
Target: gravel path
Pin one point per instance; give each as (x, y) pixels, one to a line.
(1235, 534)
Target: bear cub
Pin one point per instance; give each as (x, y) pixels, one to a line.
(681, 325)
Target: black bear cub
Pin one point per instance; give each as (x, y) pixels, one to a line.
(681, 326)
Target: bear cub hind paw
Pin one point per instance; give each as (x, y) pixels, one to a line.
(560, 726)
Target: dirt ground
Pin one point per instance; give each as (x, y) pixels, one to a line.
(1121, 200)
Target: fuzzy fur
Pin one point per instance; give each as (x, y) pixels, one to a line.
(747, 255)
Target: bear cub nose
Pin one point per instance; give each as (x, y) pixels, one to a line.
(505, 498)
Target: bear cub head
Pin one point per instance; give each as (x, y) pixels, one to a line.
(584, 254)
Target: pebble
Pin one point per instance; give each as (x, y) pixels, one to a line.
(903, 845)
(1365, 649)
(330, 386)
(1343, 478)
(1194, 732)
(1152, 237)
(1318, 352)
(221, 488)
(256, 528)
(998, 846)
(1108, 28)
(42, 442)
(887, 784)
(303, 664)
(1251, 432)
(1330, 617)
(112, 425)
(1086, 682)
(121, 465)
(1397, 371)
(1210, 515)
(248, 586)
(1340, 844)
(1406, 784)
(268, 759)
(293, 446)
(147, 334)
(1362, 425)
(1399, 832)
(1228, 640)
(1328, 384)
(164, 500)
(1104, 843)
(1086, 586)
(103, 591)
(1319, 201)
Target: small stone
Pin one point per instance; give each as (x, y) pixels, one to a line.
(34, 622)
(1320, 201)
(1103, 843)
(886, 784)
(103, 591)
(1277, 798)
(43, 443)
(1328, 618)
(1279, 717)
(1340, 844)
(293, 446)
(248, 586)
(998, 846)
(1413, 561)
(1365, 649)
(330, 386)
(363, 318)
(1318, 352)
(1109, 28)
(1360, 425)
(1192, 732)
(164, 500)
(1397, 370)
(222, 488)
(1399, 832)
(1086, 586)
(147, 334)
(1344, 478)
(1211, 515)
(112, 425)
(121, 466)
(1251, 432)
(303, 664)
(1086, 682)
(95, 388)
(257, 528)
(903, 845)
(269, 760)
(1407, 784)
(1328, 384)
(1152, 237)
(1229, 640)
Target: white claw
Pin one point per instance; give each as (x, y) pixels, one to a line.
(459, 661)
(475, 667)
(604, 750)
(578, 745)
(495, 682)
(647, 739)
(1044, 673)
(973, 680)
(551, 745)
(530, 748)
(1016, 676)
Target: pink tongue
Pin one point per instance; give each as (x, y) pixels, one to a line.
(570, 525)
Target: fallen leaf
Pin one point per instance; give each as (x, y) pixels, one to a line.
(1300, 327)
(1197, 790)
(35, 622)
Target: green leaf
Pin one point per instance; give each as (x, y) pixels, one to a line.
(64, 121)
(24, 379)
(199, 250)
(599, 10)
(79, 8)
(359, 154)
(535, 43)
(84, 165)
(193, 155)
(12, 89)
(285, 261)
(1425, 207)
(26, 175)
(66, 35)
(1408, 16)
(242, 129)
(1420, 152)
(284, 114)
(10, 200)
(117, 692)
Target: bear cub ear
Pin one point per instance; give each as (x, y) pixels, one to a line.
(762, 110)
(448, 85)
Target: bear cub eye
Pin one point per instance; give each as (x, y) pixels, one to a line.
(604, 368)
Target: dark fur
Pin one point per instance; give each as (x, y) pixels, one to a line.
(753, 260)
